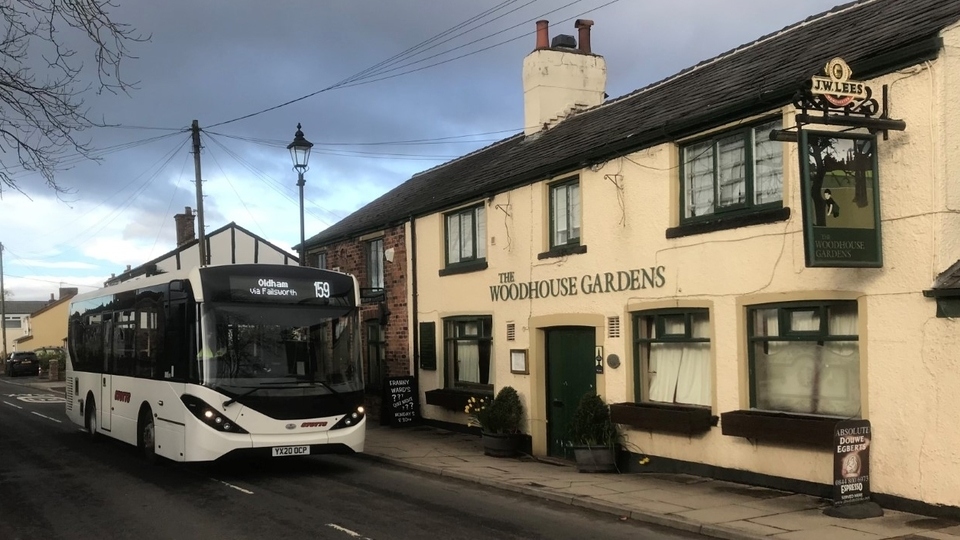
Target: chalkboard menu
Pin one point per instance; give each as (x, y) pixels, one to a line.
(402, 406)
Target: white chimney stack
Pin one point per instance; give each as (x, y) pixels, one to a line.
(561, 78)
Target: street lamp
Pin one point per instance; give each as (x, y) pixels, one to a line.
(300, 152)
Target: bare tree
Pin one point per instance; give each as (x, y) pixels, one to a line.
(42, 80)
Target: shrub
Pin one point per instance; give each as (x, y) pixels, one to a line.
(502, 414)
(591, 424)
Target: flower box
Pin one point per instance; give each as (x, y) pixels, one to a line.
(780, 428)
(454, 400)
(663, 417)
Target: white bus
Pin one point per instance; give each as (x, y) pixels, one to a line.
(239, 359)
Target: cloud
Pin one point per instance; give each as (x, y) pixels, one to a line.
(227, 59)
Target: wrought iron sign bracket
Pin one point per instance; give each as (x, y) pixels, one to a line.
(837, 100)
(865, 112)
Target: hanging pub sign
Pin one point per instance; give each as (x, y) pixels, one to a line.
(851, 462)
(837, 88)
(839, 175)
(840, 199)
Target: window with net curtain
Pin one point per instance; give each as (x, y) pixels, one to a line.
(673, 357)
(466, 235)
(565, 213)
(468, 352)
(805, 358)
(738, 171)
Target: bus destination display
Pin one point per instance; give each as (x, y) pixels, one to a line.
(266, 289)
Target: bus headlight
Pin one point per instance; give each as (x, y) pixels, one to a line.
(350, 419)
(209, 416)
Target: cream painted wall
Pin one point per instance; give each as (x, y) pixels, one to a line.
(909, 380)
(49, 328)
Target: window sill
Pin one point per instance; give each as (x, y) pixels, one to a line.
(666, 418)
(562, 251)
(452, 399)
(723, 223)
(780, 428)
(464, 268)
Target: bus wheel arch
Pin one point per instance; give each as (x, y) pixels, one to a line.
(90, 419)
(147, 434)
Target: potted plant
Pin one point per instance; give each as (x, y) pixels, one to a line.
(594, 436)
(499, 421)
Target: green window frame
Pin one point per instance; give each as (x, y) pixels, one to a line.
(466, 235)
(565, 214)
(805, 358)
(468, 352)
(739, 171)
(672, 358)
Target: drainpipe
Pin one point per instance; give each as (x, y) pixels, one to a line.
(415, 326)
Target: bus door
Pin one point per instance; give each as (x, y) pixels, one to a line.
(106, 379)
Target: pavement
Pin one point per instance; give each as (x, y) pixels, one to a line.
(690, 503)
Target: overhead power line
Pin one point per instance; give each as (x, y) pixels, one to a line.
(374, 79)
(452, 139)
(373, 71)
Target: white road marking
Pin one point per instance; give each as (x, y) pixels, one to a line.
(13, 405)
(47, 417)
(347, 531)
(238, 488)
(40, 398)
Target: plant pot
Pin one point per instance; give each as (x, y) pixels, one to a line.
(500, 444)
(595, 459)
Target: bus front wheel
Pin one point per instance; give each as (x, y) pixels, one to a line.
(147, 436)
(91, 418)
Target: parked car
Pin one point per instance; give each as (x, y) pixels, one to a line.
(22, 362)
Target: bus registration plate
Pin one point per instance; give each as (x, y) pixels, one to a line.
(282, 451)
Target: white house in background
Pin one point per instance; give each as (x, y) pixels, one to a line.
(230, 244)
(16, 321)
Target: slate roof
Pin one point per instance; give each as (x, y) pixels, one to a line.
(873, 36)
(23, 307)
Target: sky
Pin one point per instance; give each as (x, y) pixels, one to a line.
(377, 112)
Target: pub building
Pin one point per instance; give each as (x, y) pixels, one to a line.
(736, 258)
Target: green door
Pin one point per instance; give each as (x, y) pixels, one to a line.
(571, 373)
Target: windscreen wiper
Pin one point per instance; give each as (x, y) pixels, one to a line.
(238, 397)
(328, 387)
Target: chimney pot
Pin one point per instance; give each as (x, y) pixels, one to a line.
(583, 25)
(543, 34)
(51, 297)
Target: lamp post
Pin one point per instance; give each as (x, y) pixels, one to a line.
(300, 152)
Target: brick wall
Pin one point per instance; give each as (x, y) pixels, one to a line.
(351, 257)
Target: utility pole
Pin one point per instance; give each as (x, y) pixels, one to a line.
(3, 308)
(195, 128)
